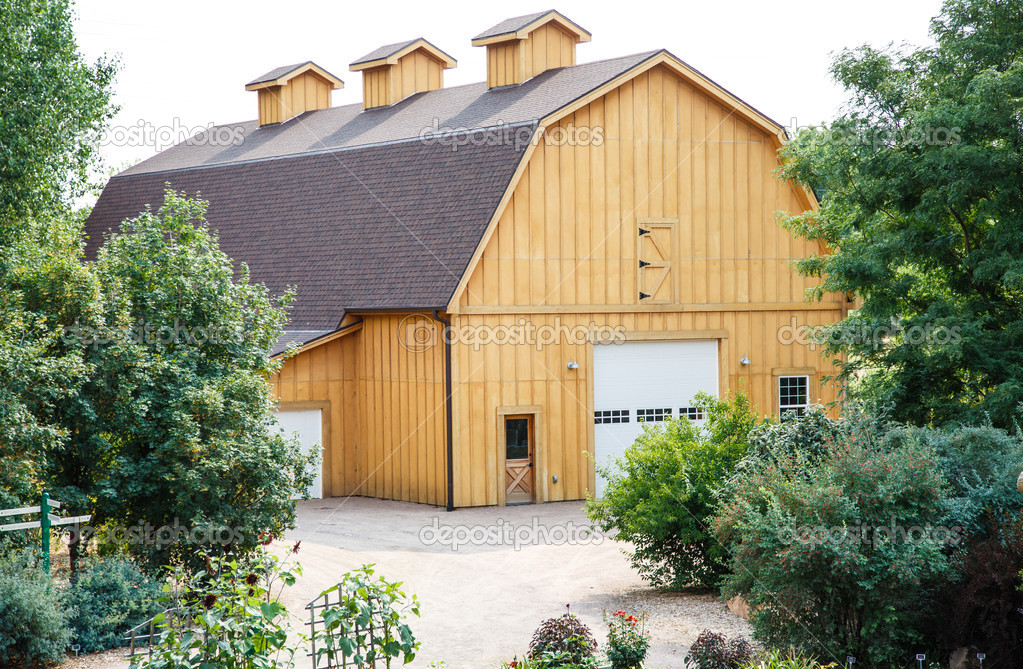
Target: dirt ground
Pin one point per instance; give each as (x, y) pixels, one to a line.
(486, 577)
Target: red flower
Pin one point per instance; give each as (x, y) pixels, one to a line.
(297, 544)
(209, 600)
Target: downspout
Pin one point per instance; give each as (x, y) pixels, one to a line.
(447, 408)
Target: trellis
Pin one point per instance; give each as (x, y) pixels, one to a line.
(145, 633)
(331, 654)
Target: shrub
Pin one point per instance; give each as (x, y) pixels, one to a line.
(33, 617)
(627, 640)
(841, 546)
(110, 597)
(985, 595)
(562, 642)
(661, 497)
(716, 651)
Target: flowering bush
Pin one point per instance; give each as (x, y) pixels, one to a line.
(562, 642)
(627, 640)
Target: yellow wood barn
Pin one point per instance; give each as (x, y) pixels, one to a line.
(497, 280)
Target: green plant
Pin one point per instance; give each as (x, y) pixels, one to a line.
(552, 660)
(33, 616)
(661, 496)
(108, 597)
(226, 616)
(367, 623)
(230, 616)
(716, 651)
(627, 640)
(774, 659)
(842, 546)
(562, 642)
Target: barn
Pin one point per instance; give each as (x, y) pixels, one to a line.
(500, 282)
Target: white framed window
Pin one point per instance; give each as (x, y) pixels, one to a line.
(652, 415)
(611, 416)
(692, 413)
(793, 394)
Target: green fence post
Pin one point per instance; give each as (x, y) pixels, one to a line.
(44, 524)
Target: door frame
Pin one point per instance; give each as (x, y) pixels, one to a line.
(539, 466)
(721, 336)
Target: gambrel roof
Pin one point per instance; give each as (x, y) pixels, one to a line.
(366, 209)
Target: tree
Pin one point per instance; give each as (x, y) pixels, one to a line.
(53, 106)
(921, 216)
(172, 428)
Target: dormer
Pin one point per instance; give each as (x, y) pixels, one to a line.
(285, 92)
(395, 71)
(520, 48)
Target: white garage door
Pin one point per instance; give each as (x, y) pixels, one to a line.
(306, 424)
(646, 381)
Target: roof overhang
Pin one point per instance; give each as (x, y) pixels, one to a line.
(572, 28)
(281, 80)
(392, 59)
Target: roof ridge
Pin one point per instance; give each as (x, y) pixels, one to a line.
(473, 83)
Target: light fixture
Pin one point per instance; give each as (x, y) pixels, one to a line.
(744, 361)
(573, 364)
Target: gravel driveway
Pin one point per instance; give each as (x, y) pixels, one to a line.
(486, 577)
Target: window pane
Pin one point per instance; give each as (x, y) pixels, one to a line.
(793, 394)
(517, 438)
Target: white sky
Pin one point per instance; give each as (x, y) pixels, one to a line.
(185, 63)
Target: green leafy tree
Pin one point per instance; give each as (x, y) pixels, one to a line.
(53, 107)
(922, 217)
(173, 425)
(661, 497)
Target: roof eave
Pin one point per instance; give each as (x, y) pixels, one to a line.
(335, 82)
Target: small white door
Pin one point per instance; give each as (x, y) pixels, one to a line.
(639, 382)
(307, 423)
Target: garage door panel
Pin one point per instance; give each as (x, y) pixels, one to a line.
(308, 426)
(652, 379)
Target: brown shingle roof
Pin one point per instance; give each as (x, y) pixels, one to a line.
(358, 209)
(277, 73)
(458, 107)
(382, 227)
(385, 51)
(512, 25)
